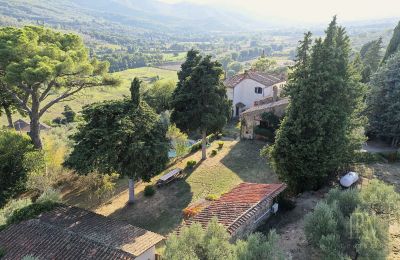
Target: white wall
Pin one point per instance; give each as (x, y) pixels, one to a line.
(149, 254)
(244, 92)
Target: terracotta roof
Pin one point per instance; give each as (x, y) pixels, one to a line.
(237, 206)
(266, 106)
(263, 78)
(73, 233)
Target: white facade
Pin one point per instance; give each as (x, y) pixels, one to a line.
(149, 254)
(248, 91)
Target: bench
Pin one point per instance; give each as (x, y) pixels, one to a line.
(172, 175)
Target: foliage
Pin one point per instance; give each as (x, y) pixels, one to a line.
(159, 96)
(200, 100)
(366, 157)
(381, 199)
(178, 140)
(30, 257)
(149, 190)
(30, 211)
(2, 252)
(212, 197)
(50, 195)
(258, 246)
(122, 137)
(100, 185)
(371, 235)
(347, 200)
(214, 152)
(197, 146)
(36, 61)
(394, 43)
(12, 206)
(370, 57)
(191, 211)
(213, 243)
(69, 114)
(321, 129)
(264, 64)
(265, 132)
(13, 149)
(322, 222)
(190, 164)
(384, 101)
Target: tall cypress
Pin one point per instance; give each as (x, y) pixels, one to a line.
(316, 137)
(393, 44)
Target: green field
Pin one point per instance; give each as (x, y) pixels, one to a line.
(147, 74)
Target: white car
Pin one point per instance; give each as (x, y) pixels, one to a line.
(349, 179)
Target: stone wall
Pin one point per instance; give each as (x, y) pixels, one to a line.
(251, 224)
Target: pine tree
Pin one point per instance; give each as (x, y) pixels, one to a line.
(371, 57)
(317, 136)
(200, 101)
(394, 43)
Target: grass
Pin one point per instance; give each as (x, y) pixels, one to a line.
(171, 57)
(89, 96)
(236, 162)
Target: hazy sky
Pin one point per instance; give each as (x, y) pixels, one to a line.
(311, 10)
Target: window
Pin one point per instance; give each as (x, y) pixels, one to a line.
(258, 90)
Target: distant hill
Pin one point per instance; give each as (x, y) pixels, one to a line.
(148, 15)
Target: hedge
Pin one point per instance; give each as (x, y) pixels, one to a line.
(211, 138)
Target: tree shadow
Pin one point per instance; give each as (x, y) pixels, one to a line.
(162, 212)
(244, 159)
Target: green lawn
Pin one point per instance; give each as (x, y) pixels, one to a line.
(171, 57)
(147, 74)
(237, 162)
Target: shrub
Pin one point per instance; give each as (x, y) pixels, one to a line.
(212, 197)
(390, 156)
(211, 138)
(103, 186)
(259, 246)
(381, 199)
(50, 195)
(331, 247)
(214, 152)
(220, 144)
(346, 200)
(12, 206)
(190, 164)
(265, 132)
(371, 235)
(366, 157)
(149, 190)
(30, 211)
(321, 222)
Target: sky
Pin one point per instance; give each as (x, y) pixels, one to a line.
(310, 11)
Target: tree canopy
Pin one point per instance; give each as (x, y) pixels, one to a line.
(40, 67)
(394, 43)
(200, 102)
(321, 128)
(371, 57)
(126, 137)
(384, 101)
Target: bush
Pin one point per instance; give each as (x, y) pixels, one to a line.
(30, 211)
(12, 206)
(211, 138)
(321, 222)
(371, 235)
(381, 199)
(149, 190)
(390, 156)
(190, 164)
(212, 197)
(265, 132)
(331, 247)
(103, 186)
(366, 157)
(346, 200)
(259, 246)
(220, 144)
(214, 152)
(50, 195)
(13, 174)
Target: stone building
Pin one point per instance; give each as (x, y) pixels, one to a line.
(246, 89)
(242, 209)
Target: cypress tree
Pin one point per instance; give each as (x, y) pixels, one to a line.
(393, 44)
(317, 135)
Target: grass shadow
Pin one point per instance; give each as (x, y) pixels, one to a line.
(244, 159)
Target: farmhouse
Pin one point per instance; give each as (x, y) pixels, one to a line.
(242, 209)
(22, 126)
(246, 89)
(73, 233)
